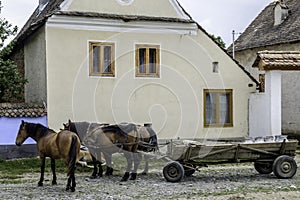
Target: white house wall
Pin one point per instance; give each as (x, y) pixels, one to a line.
(158, 8)
(173, 103)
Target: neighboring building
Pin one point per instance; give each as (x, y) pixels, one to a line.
(132, 60)
(277, 28)
(11, 115)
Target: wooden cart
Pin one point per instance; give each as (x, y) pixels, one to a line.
(268, 157)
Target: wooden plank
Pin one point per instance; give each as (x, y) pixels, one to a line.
(249, 151)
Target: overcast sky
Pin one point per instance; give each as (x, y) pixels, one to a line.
(218, 17)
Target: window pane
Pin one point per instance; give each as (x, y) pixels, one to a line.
(152, 60)
(224, 100)
(107, 59)
(210, 108)
(96, 59)
(142, 60)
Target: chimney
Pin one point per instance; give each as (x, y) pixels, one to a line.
(42, 4)
(281, 12)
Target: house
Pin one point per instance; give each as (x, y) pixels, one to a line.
(132, 61)
(276, 28)
(265, 107)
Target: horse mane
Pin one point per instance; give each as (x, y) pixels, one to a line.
(121, 129)
(37, 128)
(153, 136)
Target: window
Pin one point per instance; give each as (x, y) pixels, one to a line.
(147, 61)
(102, 59)
(215, 67)
(218, 108)
(262, 83)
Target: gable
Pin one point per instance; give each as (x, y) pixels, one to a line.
(167, 8)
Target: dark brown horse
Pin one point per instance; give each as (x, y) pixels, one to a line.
(65, 145)
(109, 139)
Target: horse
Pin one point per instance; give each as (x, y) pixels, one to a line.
(109, 139)
(148, 144)
(65, 145)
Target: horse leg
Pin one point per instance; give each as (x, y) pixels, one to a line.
(146, 169)
(43, 160)
(128, 156)
(137, 157)
(69, 183)
(73, 183)
(109, 168)
(94, 174)
(53, 171)
(99, 162)
(71, 180)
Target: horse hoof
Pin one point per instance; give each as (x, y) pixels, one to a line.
(54, 183)
(40, 184)
(144, 173)
(92, 177)
(133, 176)
(72, 189)
(124, 179)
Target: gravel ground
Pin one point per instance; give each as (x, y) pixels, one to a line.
(225, 182)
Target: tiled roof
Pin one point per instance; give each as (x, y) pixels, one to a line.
(123, 17)
(262, 32)
(278, 60)
(14, 110)
(36, 20)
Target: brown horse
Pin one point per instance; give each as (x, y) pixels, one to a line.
(65, 145)
(109, 139)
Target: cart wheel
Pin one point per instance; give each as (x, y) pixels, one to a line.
(263, 167)
(173, 172)
(284, 167)
(189, 169)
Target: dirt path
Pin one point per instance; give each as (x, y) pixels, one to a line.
(228, 182)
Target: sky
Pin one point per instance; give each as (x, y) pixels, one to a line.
(218, 17)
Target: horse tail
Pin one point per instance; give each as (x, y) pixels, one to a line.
(73, 155)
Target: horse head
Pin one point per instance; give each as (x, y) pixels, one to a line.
(22, 134)
(80, 128)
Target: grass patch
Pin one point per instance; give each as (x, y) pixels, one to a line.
(16, 168)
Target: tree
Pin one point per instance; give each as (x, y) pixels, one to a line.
(218, 40)
(11, 80)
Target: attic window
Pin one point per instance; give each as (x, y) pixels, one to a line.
(281, 12)
(215, 67)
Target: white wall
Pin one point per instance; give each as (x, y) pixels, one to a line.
(265, 108)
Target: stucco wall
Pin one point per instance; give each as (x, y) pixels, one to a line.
(35, 67)
(133, 7)
(173, 102)
(290, 86)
